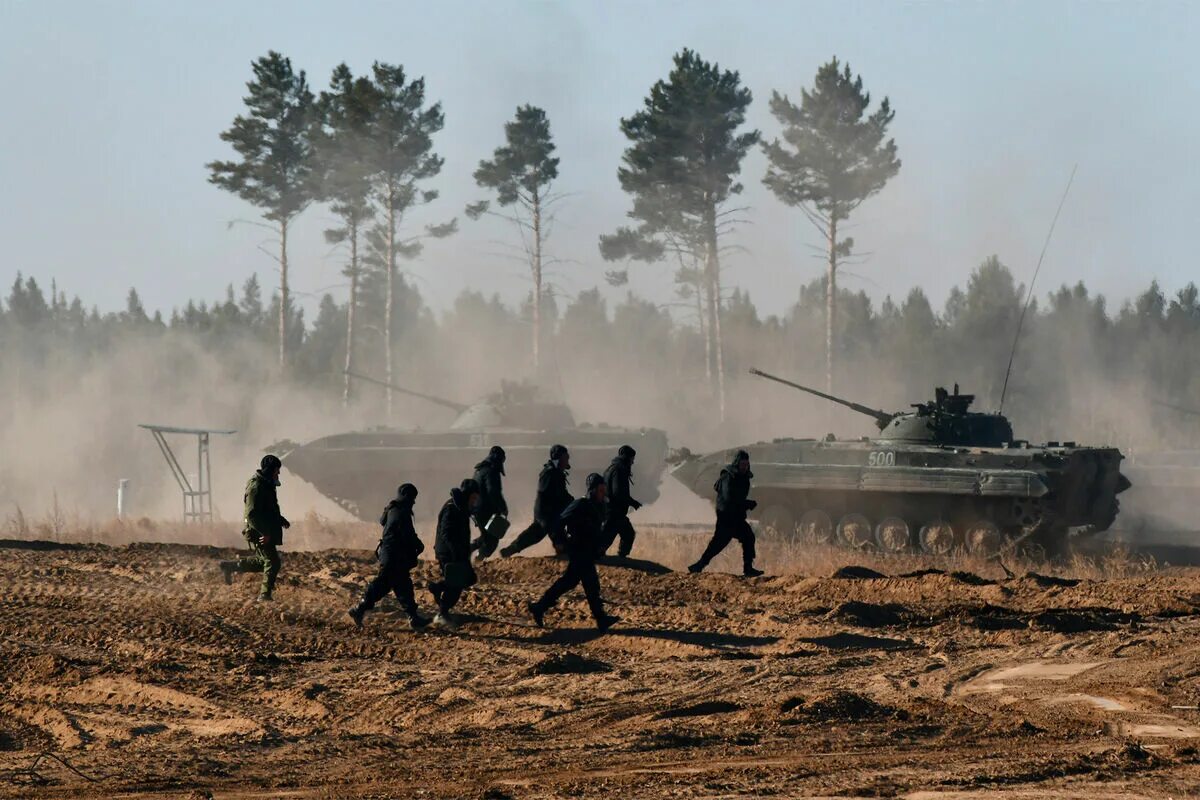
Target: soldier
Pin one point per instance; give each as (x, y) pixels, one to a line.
(619, 477)
(583, 521)
(398, 552)
(264, 528)
(552, 497)
(733, 488)
(453, 550)
(489, 474)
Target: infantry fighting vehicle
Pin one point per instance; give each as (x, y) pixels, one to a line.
(937, 478)
(361, 470)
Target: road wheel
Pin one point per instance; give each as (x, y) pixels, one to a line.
(816, 527)
(778, 522)
(936, 537)
(983, 538)
(854, 530)
(892, 535)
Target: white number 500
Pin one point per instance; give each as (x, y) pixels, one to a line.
(881, 458)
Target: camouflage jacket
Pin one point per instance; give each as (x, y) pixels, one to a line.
(262, 510)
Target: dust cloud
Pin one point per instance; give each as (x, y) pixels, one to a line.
(72, 428)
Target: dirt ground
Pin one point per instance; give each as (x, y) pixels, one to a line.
(135, 672)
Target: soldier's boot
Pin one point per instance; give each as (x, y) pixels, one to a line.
(417, 622)
(228, 570)
(357, 613)
(265, 598)
(444, 619)
(606, 621)
(538, 613)
(748, 568)
(698, 567)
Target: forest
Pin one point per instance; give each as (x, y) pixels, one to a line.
(365, 150)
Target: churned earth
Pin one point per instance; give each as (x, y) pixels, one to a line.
(135, 672)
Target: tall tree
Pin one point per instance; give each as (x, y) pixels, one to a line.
(400, 157)
(521, 172)
(275, 171)
(680, 168)
(832, 158)
(347, 113)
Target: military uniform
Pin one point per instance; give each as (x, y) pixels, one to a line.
(553, 497)
(264, 526)
(619, 478)
(398, 552)
(489, 474)
(452, 547)
(733, 489)
(583, 524)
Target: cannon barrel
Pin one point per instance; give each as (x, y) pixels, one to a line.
(441, 401)
(882, 418)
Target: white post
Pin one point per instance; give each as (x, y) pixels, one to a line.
(122, 498)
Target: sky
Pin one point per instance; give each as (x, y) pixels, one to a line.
(112, 109)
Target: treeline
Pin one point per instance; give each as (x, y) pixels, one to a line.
(365, 148)
(1081, 369)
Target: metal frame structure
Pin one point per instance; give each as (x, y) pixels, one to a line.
(197, 500)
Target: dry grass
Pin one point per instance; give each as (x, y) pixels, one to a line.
(312, 532)
(677, 548)
(674, 547)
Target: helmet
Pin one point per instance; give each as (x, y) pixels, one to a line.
(497, 454)
(270, 462)
(558, 451)
(407, 492)
(626, 451)
(469, 486)
(594, 480)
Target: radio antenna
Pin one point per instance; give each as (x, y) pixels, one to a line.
(1029, 294)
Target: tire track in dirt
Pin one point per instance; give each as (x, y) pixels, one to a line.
(144, 666)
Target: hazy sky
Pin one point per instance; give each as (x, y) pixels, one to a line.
(111, 110)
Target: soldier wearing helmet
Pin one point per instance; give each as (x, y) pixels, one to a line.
(733, 503)
(581, 525)
(398, 552)
(453, 550)
(619, 477)
(264, 526)
(552, 497)
(490, 475)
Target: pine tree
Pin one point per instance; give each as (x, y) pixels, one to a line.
(521, 172)
(341, 145)
(834, 158)
(680, 168)
(274, 172)
(400, 158)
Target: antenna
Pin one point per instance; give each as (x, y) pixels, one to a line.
(1029, 294)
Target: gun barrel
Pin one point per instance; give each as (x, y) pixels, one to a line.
(441, 401)
(882, 418)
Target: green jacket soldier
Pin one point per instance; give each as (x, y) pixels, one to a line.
(264, 526)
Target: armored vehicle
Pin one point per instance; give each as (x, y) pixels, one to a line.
(361, 470)
(937, 478)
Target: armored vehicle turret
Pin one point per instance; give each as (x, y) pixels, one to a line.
(937, 478)
(360, 470)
